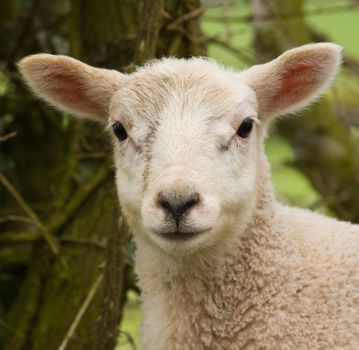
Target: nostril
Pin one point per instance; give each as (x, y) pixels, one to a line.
(166, 203)
(191, 201)
(177, 206)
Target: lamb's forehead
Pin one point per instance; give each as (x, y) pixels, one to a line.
(168, 83)
(193, 67)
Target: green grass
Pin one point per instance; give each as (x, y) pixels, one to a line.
(290, 185)
(130, 329)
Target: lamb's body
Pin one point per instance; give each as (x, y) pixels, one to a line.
(221, 264)
(290, 281)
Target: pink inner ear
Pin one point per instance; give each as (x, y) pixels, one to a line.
(70, 91)
(297, 83)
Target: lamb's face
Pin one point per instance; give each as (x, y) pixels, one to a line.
(188, 164)
(188, 132)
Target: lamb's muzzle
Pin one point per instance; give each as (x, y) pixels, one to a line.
(177, 204)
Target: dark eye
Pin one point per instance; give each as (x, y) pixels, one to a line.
(245, 128)
(119, 131)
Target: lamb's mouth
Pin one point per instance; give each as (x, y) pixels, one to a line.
(181, 235)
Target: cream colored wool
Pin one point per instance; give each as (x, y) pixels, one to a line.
(256, 275)
(290, 281)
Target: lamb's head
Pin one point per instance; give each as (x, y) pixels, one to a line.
(187, 134)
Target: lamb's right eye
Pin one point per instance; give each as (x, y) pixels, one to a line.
(245, 128)
(119, 131)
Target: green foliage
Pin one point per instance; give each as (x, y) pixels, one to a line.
(131, 326)
(291, 186)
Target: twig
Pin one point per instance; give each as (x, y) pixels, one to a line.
(26, 237)
(19, 237)
(48, 237)
(71, 331)
(286, 15)
(17, 218)
(237, 51)
(90, 242)
(186, 17)
(8, 136)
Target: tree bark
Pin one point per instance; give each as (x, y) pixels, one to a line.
(71, 299)
(322, 145)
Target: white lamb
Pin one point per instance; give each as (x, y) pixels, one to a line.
(222, 265)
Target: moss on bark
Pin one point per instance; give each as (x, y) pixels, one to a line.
(50, 176)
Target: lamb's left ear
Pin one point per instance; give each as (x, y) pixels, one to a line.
(294, 79)
(71, 85)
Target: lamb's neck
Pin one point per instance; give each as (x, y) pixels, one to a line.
(211, 286)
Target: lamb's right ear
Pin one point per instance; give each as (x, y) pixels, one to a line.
(71, 85)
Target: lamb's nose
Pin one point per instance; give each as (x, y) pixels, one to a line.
(176, 205)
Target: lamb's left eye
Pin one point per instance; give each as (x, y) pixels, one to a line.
(119, 131)
(245, 128)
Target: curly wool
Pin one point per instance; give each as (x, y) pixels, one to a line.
(291, 281)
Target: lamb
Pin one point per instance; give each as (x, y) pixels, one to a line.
(221, 264)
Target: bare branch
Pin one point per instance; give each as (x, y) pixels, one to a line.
(17, 218)
(71, 331)
(77, 240)
(54, 245)
(287, 15)
(186, 17)
(237, 51)
(8, 136)
(19, 237)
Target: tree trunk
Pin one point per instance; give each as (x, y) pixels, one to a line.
(322, 145)
(72, 293)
